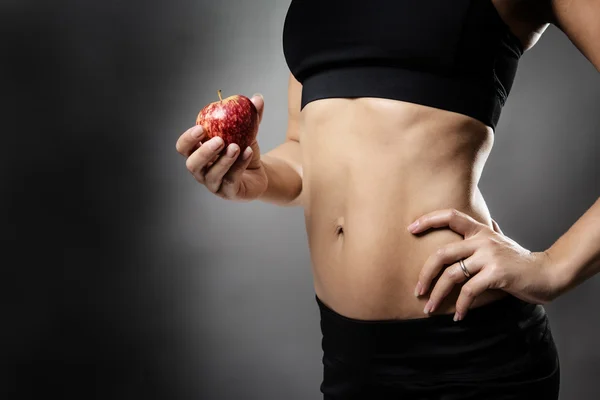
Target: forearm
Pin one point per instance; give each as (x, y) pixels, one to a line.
(576, 254)
(283, 166)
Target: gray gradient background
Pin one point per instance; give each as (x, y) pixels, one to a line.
(124, 279)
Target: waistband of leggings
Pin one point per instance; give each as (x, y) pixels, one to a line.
(508, 306)
(502, 317)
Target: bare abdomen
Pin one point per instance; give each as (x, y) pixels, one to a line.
(370, 168)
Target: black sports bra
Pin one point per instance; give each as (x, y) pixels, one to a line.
(456, 55)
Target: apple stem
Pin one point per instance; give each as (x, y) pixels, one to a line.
(219, 92)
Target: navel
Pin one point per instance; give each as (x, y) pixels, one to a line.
(339, 227)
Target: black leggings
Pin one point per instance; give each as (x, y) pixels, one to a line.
(502, 350)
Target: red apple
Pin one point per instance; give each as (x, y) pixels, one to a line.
(235, 119)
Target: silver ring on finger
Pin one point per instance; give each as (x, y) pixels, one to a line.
(464, 268)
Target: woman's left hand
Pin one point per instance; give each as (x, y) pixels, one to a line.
(493, 261)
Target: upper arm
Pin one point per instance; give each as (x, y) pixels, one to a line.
(294, 99)
(580, 21)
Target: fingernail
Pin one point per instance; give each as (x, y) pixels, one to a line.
(259, 95)
(196, 133)
(457, 316)
(418, 289)
(232, 150)
(216, 143)
(427, 308)
(247, 153)
(412, 226)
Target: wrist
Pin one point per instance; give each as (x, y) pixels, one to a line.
(283, 185)
(266, 167)
(561, 276)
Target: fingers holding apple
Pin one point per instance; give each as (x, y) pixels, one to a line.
(190, 140)
(222, 149)
(214, 177)
(202, 159)
(229, 175)
(234, 119)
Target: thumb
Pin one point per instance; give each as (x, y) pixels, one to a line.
(259, 103)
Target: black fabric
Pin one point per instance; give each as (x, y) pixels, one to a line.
(502, 350)
(454, 55)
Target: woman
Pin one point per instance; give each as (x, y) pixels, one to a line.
(392, 111)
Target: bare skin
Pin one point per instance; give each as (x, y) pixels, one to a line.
(363, 170)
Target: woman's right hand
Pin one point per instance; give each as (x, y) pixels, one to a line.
(227, 174)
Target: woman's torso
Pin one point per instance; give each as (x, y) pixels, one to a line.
(371, 166)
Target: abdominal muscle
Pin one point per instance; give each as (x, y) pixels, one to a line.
(371, 167)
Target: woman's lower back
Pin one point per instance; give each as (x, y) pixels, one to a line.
(370, 168)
